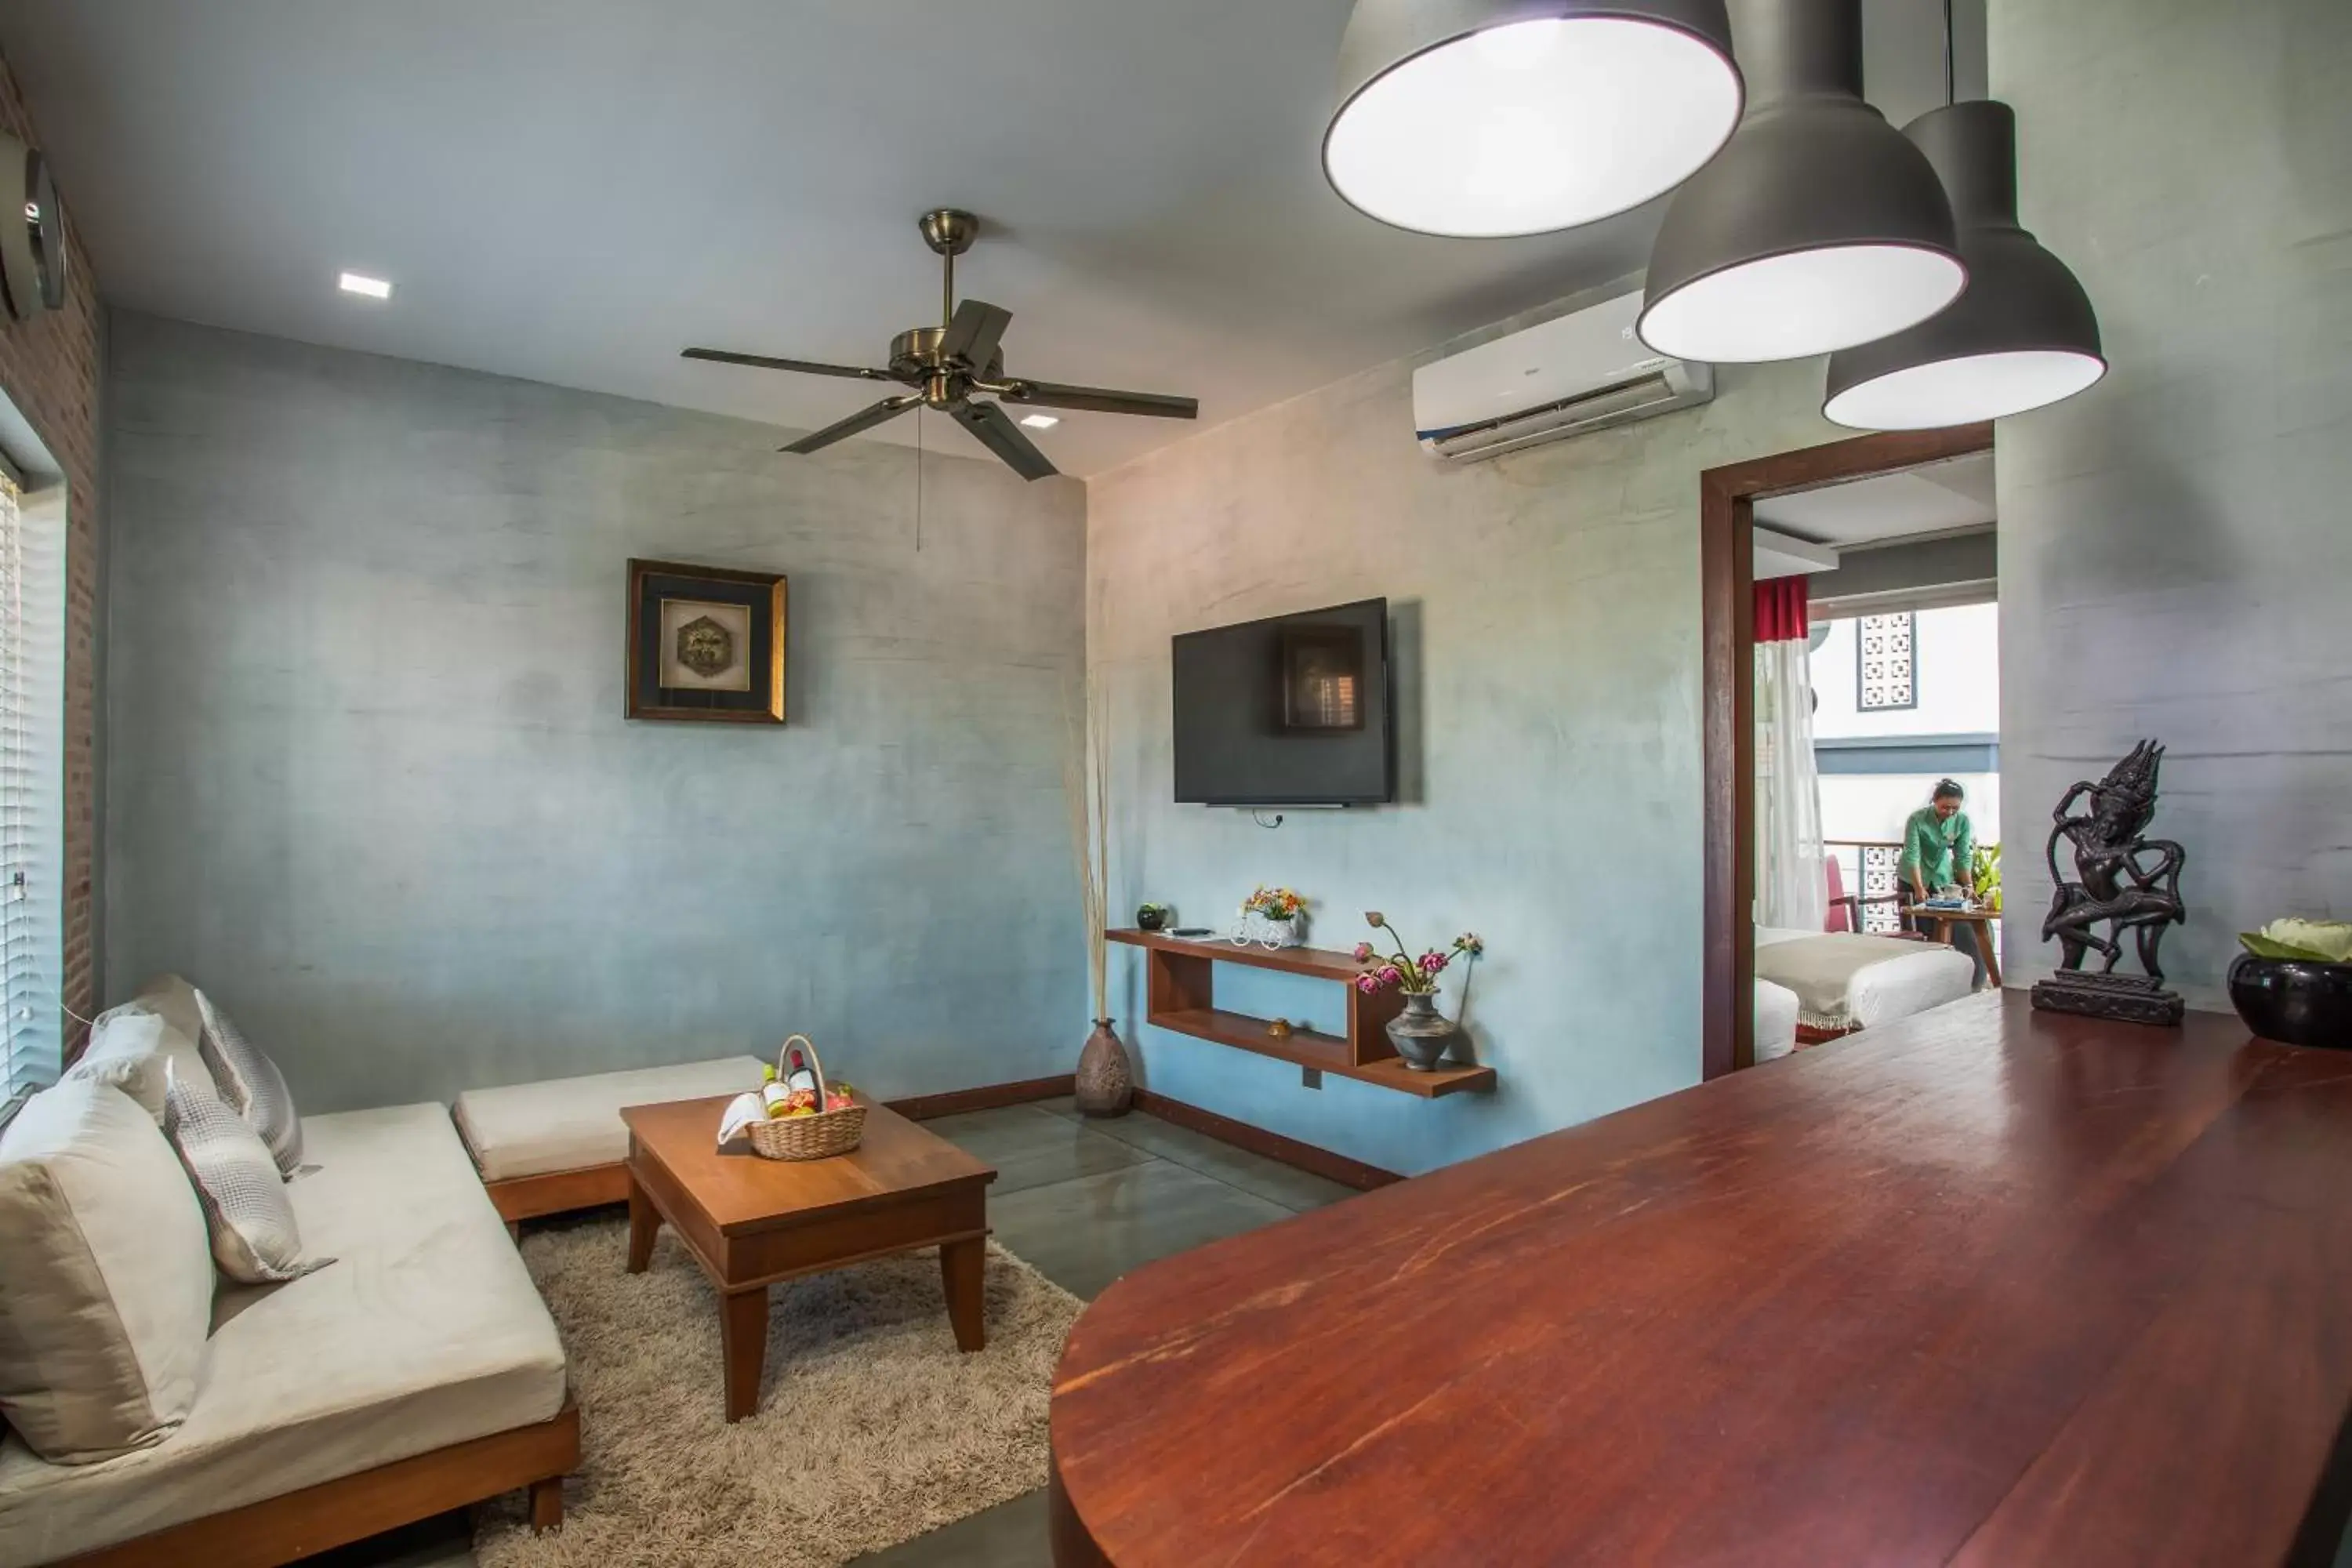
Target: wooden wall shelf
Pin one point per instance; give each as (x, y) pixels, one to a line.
(1180, 994)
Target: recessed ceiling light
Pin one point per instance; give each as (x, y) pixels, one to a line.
(360, 283)
(1040, 421)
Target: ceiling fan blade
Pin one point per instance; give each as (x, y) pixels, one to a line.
(997, 432)
(1100, 400)
(863, 419)
(806, 367)
(974, 331)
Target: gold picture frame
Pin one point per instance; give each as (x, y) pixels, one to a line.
(706, 644)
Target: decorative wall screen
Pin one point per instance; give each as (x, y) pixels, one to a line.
(1883, 648)
(1879, 862)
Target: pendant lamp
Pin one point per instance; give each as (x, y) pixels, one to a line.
(2021, 335)
(1818, 227)
(1477, 118)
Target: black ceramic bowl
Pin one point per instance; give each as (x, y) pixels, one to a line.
(2299, 1002)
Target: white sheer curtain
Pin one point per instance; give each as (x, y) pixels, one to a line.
(1791, 881)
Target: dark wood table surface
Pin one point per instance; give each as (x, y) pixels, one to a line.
(751, 1223)
(1982, 1287)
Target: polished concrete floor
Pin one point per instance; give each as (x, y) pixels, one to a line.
(1083, 1201)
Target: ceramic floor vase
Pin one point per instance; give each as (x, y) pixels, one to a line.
(1105, 1084)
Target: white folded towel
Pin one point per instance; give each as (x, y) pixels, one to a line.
(741, 1113)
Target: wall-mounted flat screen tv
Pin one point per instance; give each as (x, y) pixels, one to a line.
(1291, 711)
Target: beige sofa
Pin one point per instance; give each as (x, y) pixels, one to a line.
(555, 1146)
(418, 1372)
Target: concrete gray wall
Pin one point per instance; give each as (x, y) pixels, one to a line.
(2176, 543)
(1547, 611)
(368, 779)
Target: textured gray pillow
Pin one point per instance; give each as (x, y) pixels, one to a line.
(252, 1085)
(251, 1221)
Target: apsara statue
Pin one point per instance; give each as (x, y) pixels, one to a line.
(2123, 882)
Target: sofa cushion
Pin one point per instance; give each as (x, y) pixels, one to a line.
(427, 1331)
(154, 1020)
(127, 1050)
(571, 1123)
(107, 1287)
(251, 1084)
(247, 1212)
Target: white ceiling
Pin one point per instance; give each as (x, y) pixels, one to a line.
(1934, 497)
(573, 190)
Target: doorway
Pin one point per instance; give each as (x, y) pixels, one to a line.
(1730, 498)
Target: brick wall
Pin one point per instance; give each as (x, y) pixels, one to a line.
(48, 368)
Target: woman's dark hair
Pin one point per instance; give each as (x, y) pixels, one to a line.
(1946, 788)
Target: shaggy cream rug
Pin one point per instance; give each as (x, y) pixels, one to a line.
(872, 1428)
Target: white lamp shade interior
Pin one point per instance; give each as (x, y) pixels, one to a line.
(1964, 391)
(1533, 126)
(1803, 303)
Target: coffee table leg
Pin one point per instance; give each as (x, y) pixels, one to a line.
(744, 1346)
(645, 1224)
(962, 1265)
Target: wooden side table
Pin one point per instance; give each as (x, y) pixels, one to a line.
(751, 1223)
(1983, 919)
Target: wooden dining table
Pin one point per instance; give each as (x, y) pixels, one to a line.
(1984, 1286)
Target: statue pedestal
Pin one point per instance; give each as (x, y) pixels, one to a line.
(2125, 998)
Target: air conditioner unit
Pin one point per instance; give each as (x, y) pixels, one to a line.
(1584, 371)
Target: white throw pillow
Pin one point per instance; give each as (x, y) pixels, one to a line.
(129, 1051)
(252, 1085)
(106, 1290)
(251, 1221)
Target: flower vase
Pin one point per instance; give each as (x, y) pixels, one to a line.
(1106, 1079)
(1267, 931)
(1421, 1033)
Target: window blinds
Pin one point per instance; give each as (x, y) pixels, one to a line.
(31, 648)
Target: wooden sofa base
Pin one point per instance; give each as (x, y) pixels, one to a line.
(519, 1198)
(281, 1528)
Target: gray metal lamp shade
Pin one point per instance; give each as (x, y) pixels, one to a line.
(1817, 228)
(2021, 335)
(1487, 118)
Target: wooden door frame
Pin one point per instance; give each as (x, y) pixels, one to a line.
(1727, 566)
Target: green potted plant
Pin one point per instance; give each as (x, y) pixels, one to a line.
(2294, 981)
(1984, 873)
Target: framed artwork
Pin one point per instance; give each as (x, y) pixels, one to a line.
(706, 643)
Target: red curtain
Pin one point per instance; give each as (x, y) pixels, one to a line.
(1781, 609)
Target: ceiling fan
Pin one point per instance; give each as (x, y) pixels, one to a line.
(963, 354)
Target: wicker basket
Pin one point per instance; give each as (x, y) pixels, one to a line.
(818, 1137)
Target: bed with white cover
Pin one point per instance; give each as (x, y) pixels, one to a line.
(1776, 1020)
(1846, 981)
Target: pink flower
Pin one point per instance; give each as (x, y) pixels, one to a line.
(1363, 952)
(1392, 975)
(1366, 984)
(1432, 961)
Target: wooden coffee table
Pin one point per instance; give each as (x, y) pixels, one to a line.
(750, 1222)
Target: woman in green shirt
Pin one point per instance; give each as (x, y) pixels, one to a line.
(1939, 847)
